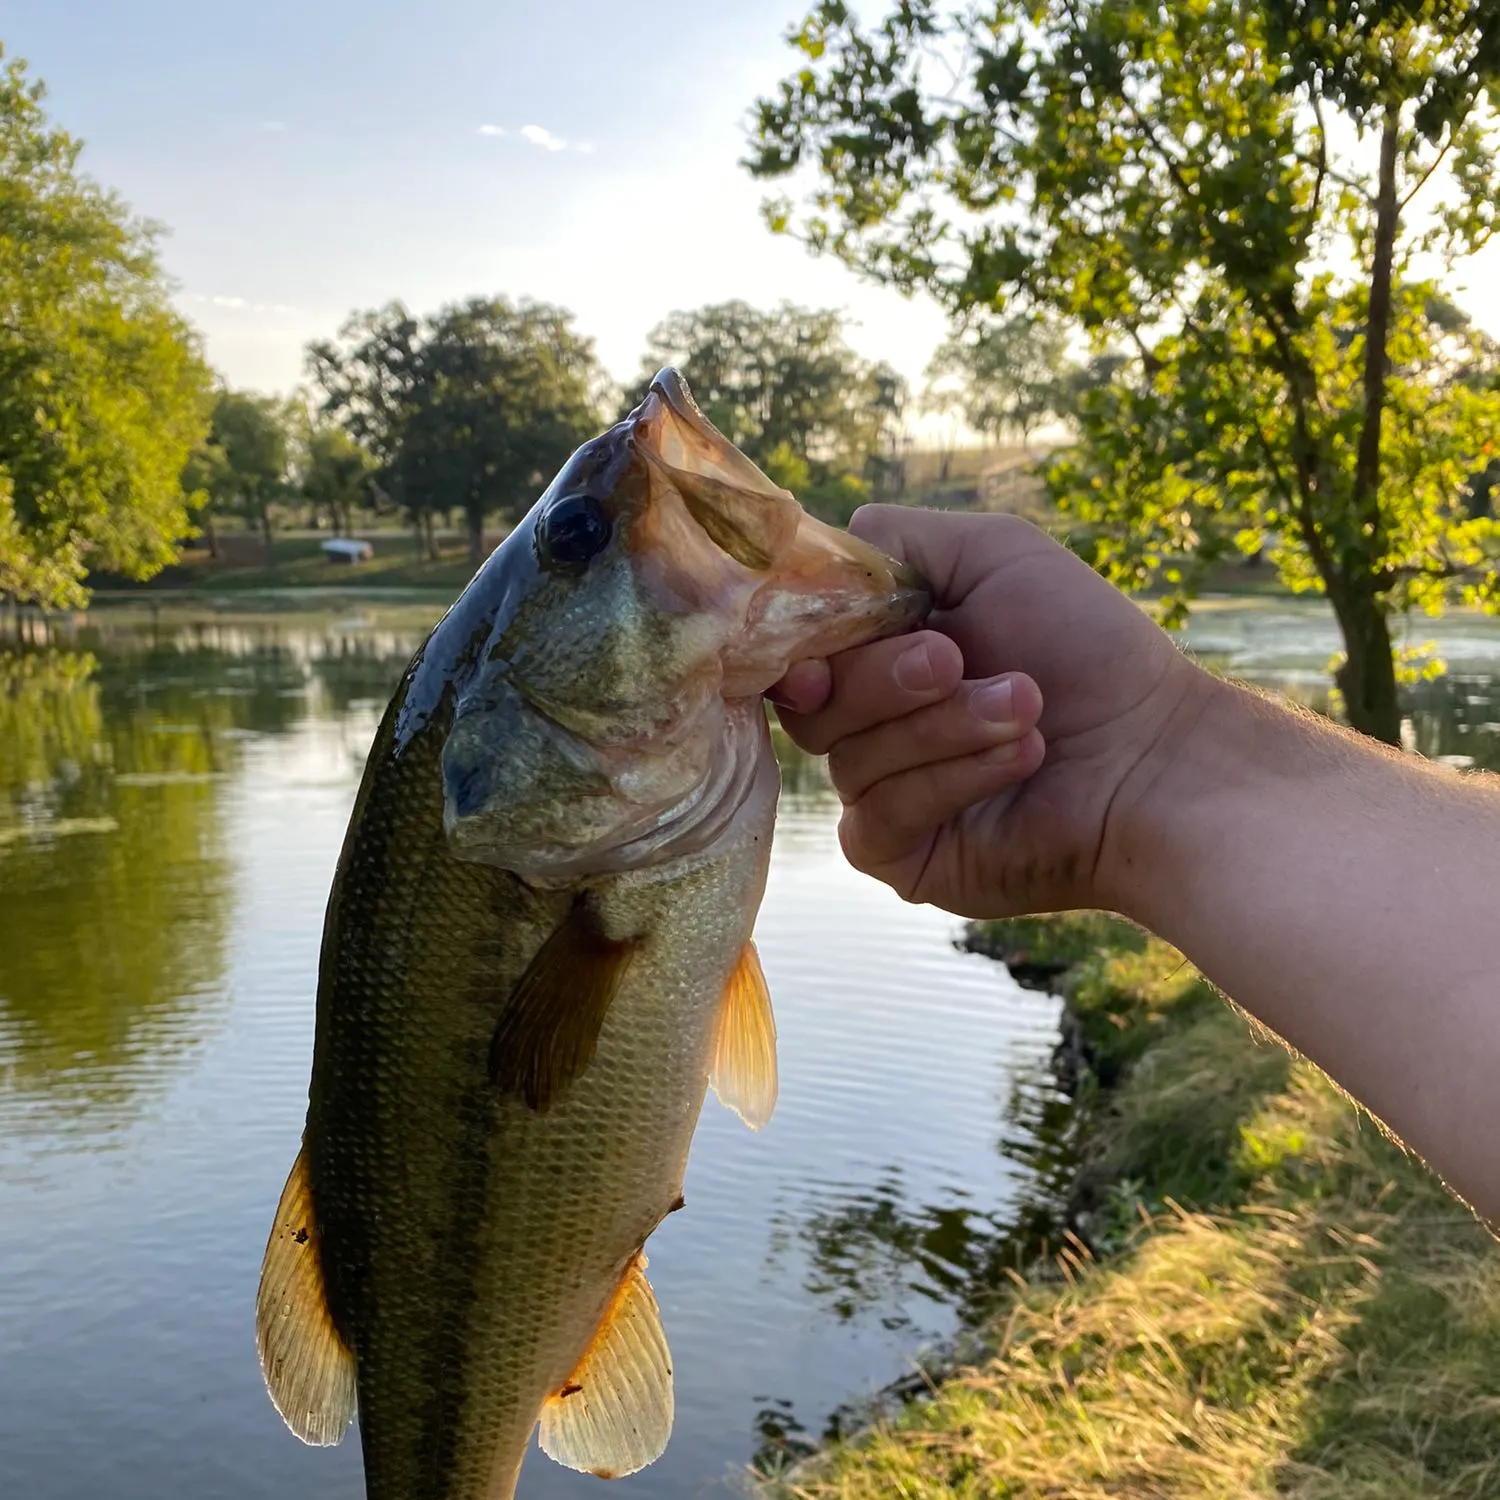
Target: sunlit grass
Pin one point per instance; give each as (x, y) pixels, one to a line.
(1284, 1303)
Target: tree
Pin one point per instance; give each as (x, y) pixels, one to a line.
(1249, 198)
(252, 433)
(336, 475)
(476, 406)
(207, 483)
(103, 393)
(782, 381)
(1011, 374)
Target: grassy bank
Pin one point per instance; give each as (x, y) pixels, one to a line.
(296, 560)
(1271, 1300)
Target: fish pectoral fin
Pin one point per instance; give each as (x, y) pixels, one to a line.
(309, 1370)
(744, 1066)
(550, 1025)
(613, 1415)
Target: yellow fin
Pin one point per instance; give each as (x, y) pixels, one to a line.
(550, 1025)
(744, 1066)
(308, 1368)
(614, 1413)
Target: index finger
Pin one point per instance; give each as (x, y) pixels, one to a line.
(873, 683)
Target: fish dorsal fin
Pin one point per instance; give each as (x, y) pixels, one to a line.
(744, 1067)
(550, 1025)
(309, 1370)
(613, 1415)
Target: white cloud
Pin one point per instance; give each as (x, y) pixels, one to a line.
(243, 304)
(541, 137)
(275, 126)
(538, 136)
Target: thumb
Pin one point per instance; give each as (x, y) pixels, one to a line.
(953, 551)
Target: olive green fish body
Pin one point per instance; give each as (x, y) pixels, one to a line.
(537, 956)
(466, 1284)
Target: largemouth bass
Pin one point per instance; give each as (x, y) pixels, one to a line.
(537, 955)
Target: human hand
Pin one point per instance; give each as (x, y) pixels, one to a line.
(952, 795)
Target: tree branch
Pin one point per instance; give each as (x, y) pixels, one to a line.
(1322, 162)
(1454, 126)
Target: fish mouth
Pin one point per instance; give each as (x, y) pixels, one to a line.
(715, 582)
(813, 590)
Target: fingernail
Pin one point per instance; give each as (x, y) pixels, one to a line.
(914, 669)
(993, 703)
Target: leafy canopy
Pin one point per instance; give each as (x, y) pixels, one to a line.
(103, 392)
(783, 385)
(1256, 202)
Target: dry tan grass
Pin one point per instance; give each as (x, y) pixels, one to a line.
(1330, 1327)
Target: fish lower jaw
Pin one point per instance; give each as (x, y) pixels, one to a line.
(737, 772)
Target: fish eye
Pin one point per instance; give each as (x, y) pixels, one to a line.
(572, 531)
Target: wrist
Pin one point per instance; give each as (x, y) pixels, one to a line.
(1157, 830)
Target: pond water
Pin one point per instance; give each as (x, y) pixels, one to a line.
(173, 791)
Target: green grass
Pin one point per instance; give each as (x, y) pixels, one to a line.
(296, 561)
(1277, 1302)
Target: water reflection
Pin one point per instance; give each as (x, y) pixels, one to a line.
(118, 736)
(113, 890)
(173, 792)
(870, 1248)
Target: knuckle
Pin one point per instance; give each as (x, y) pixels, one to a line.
(838, 765)
(854, 841)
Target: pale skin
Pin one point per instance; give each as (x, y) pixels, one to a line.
(1043, 746)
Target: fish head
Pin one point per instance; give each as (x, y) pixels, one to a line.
(659, 586)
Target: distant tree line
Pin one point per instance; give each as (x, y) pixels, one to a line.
(117, 443)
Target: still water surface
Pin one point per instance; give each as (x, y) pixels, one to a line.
(173, 792)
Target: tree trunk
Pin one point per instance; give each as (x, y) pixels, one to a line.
(1367, 678)
(265, 527)
(474, 513)
(430, 531)
(1377, 331)
(208, 531)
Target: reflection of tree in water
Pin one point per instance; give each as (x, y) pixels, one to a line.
(114, 884)
(875, 1251)
(783, 1439)
(113, 893)
(871, 1247)
(1457, 715)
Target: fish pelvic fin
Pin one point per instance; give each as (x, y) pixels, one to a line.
(549, 1028)
(744, 1066)
(308, 1368)
(613, 1415)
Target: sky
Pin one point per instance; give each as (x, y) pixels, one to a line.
(309, 159)
(314, 158)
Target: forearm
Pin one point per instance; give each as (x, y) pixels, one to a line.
(1347, 897)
